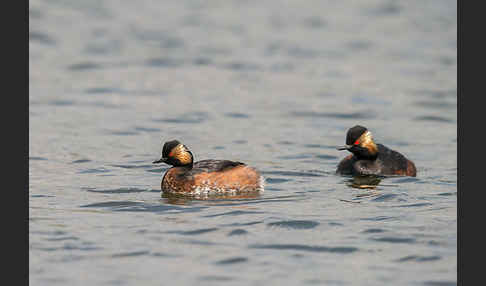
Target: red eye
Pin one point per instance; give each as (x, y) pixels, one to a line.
(356, 142)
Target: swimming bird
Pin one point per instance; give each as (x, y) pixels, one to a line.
(205, 176)
(369, 158)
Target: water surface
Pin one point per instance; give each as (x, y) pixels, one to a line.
(275, 86)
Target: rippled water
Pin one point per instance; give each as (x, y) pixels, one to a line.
(275, 85)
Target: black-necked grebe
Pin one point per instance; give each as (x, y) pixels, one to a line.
(205, 176)
(369, 158)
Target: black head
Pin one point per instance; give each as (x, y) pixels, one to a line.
(168, 146)
(176, 154)
(354, 133)
(359, 141)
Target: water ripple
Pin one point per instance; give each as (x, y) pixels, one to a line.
(159, 208)
(315, 22)
(418, 258)
(81, 161)
(440, 283)
(84, 66)
(295, 224)
(433, 118)
(145, 129)
(436, 104)
(111, 204)
(305, 248)
(243, 223)
(326, 157)
(215, 278)
(193, 117)
(386, 9)
(234, 213)
(242, 66)
(447, 194)
(291, 173)
(413, 205)
(195, 232)
(94, 171)
(130, 206)
(268, 200)
(373, 230)
(37, 158)
(164, 62)
(276, 180)
(385, 198)
(42, 196)
(71, 246)
(130, 254)
(402, 180)
(41, 38)
(232, 260)
(236, 115)
(132, 166)
(296, 156)
(352, 115)
(122, 132)
(62, 238)
(61, 102)
(202, 61)
(157, 170)
(101, 90)
(118, 191)
(237, 231)
(379, 218)
(392, 239)
(320, 146)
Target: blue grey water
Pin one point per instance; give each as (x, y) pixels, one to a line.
(273, 84)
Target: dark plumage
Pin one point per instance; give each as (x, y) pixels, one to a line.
(387, 162)
(354, 133)
(369, 158)
(168, 146)
(213, 166)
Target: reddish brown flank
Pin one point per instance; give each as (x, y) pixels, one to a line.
(239, 178)
(171, 183)
(411, 170)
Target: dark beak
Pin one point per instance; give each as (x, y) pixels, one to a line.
(161, 160)
(345, 147)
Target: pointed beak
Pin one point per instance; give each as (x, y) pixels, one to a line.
(161, 160)
(345, 147)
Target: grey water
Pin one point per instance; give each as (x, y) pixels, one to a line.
(274, 84)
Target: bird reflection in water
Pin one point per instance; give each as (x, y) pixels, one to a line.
(367, 183)
(184, 199)
(364, 182)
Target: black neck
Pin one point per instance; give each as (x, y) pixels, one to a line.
(186, 166)
(363, 153)
(176, 163)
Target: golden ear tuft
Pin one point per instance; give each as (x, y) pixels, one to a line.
(366, 140)
(181, 153)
